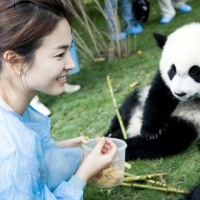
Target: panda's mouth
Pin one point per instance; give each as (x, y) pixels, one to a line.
(186, 98)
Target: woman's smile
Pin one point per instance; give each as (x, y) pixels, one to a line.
(62, 79)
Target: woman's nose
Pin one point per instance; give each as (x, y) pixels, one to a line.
(70, 64)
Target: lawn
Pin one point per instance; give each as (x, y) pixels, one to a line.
(89, 111)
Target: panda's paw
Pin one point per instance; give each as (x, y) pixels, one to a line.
(151, 135)
(155, 135)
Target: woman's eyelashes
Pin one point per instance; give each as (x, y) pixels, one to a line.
(61, 55)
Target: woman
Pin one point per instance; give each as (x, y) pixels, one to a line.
(35, 40)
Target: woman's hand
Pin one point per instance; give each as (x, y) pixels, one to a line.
(74, 142)
(101, 156)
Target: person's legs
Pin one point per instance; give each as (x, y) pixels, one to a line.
(131, 26)
(178, 3)
(127, 14)
(110, 7)
(167, 10)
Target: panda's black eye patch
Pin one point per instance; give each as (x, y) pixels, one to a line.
(172, 72)
(194, 72)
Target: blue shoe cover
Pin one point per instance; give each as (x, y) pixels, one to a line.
(166, 19)
(185, 8)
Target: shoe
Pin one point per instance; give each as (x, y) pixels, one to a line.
(71, 88)
(136, 29)
(120, 36)
(35, 103)
(166, 19)
(185, 8)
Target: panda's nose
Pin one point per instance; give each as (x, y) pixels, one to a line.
(180, 94)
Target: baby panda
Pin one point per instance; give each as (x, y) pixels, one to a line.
(164, 118)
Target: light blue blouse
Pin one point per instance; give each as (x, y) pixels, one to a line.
(32, 167)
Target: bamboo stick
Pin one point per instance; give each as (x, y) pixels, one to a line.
(116, 108)
(159, 183)
(127, 165)
(131, 177)
(163, 189)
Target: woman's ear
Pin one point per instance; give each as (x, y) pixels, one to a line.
(13, 62)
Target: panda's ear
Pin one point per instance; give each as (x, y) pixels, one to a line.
(160, 39)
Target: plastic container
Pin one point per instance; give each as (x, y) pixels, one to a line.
(113, 175)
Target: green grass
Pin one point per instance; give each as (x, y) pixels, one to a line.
(89, 111)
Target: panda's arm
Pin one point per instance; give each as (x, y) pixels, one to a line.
(159, 105)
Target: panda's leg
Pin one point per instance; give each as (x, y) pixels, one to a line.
(175, 137)
(194, 194)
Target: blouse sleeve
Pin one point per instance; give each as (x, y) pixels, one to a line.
(57, 171)
(71, 190)
(20, 175)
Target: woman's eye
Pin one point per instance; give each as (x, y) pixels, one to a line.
(60, 55)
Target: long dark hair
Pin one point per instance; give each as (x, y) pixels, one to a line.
(23, 24)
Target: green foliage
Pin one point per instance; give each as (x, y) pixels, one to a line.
(89, 111)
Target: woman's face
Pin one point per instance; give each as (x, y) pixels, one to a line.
(52, 61)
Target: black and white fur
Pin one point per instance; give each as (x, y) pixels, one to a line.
(164, 118)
